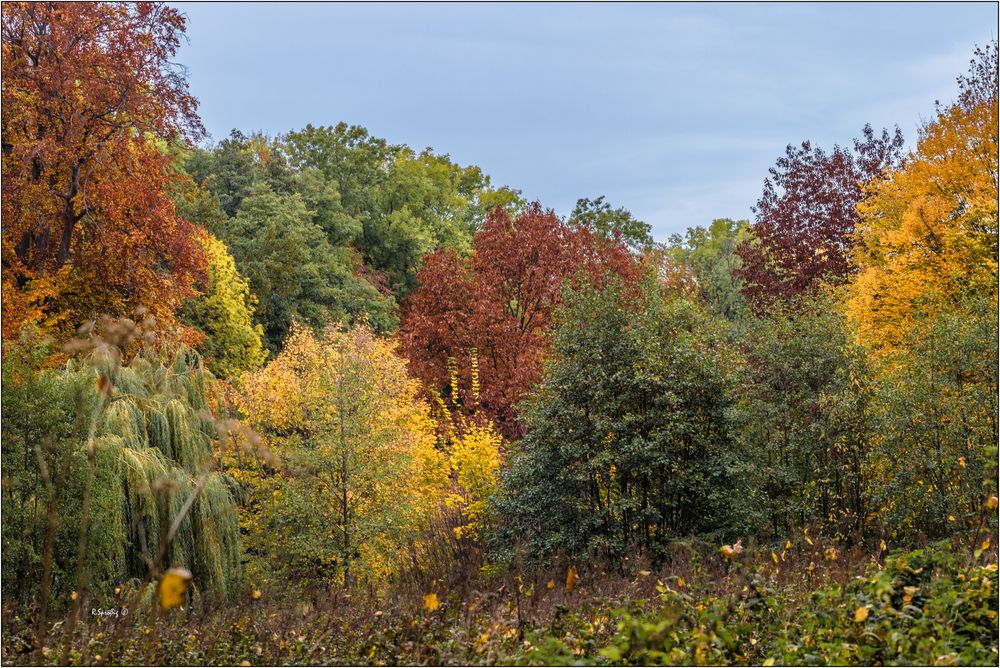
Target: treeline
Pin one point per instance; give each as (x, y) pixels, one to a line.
(324, 359)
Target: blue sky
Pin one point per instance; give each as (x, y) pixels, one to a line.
(675, 111)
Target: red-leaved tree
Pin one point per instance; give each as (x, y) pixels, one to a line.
(91, 100)
(807, 214)
(496, 307)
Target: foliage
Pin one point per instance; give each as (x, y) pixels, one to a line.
(359, 473)
(925, 607)
(614, 224)
(500, 302)
(475, 458)
(475, 454)
(934, 461)
(629, 442)
(806, 215)
(224, 314)
(405, 203)
(806, 418)
(711, 255)
(89, 226)
(927, 239)
(154, 438)
(294, 271)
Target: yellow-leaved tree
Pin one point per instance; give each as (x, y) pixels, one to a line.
(927, 239)
(359, 473)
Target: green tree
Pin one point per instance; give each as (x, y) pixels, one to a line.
(405, 203)
(629, 441)
(295, 272)
(934, 458)
(711, 256)
(806, 418)
(598, 216)
(109, 453)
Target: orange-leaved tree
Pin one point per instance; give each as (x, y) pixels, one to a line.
(927, 239)
(90, 98)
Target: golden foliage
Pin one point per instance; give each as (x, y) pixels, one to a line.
(342, 410)
(928, 233)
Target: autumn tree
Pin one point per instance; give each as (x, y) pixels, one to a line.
(499, 302)
(88, 224)
(359, 472)
(806, 215)
(223, 313)
(927, 238)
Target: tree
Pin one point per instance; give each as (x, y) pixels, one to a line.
(617, 224)
(927, 239)
(224, 315)
(806, 216)
(359, 472)
(231, 168)
(499, 302)
(805, 415)
(153, 426)
(711, 255)
(933, 461)
(405, 203)
(628, 443)
(89, 225)
(294, 271)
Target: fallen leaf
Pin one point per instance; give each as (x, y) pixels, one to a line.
(173, 587)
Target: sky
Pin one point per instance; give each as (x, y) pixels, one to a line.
(674, 111)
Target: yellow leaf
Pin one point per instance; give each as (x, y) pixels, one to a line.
(788, 544)
(768, 662)
(951, 518)
(173, 587)
(774, 557)
(861, 614)
(992, 503)
(550, 584)
(882, 546)
(643, 574)
(431, 602)
(571, 578)
(256, 594)
(680, 582)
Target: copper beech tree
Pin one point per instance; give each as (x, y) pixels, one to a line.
(806, 215)
(497, 305)
(91, 101)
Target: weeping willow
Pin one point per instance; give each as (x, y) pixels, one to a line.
(162, 414)
(154, 445)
